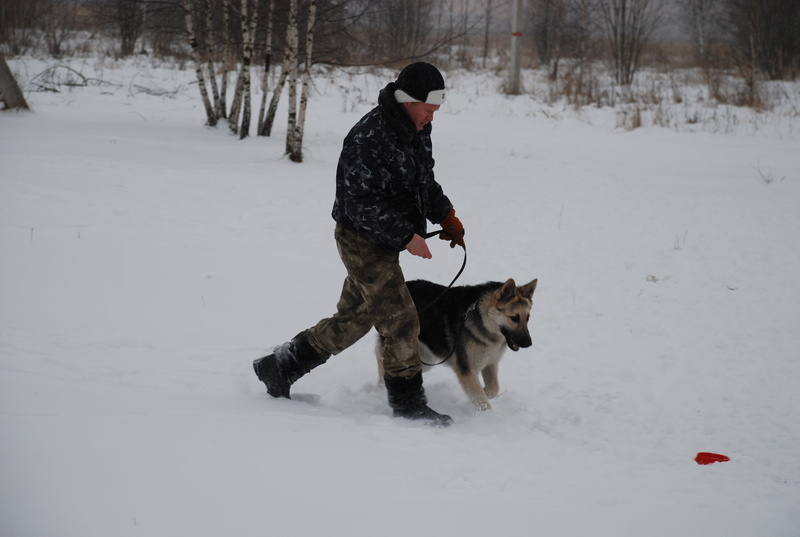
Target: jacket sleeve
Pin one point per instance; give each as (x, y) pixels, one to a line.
(439, 203)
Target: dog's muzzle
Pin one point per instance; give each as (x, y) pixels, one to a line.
(516, 341)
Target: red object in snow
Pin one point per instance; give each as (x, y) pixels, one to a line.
(707, 458)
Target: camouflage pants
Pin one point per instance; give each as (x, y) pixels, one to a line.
(374, 294)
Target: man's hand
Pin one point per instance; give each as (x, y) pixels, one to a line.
(418, 247)
(452, 229)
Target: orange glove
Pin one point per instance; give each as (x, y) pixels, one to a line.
(452, 229)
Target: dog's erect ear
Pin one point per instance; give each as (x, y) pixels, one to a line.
(507, 291)
(528, 289)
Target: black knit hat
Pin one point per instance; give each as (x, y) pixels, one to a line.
(420, 82)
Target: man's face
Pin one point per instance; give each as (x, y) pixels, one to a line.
(420, 113)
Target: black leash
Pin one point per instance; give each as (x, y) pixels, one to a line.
(460, 271)
(463, 266)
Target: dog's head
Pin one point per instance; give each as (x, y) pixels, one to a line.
(511, 307)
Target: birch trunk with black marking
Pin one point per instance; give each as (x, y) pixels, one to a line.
(292, 43)
(265, 80)
(211, 46)
(248, 33)
(296, 154)
(225, 59)
(211, 117)
(236, 104)
(269, 120)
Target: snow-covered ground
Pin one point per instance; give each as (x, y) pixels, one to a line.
(147, 260)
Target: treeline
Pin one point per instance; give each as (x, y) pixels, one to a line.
(224, 37)
(751, 40)
(347, 32)
(761, 35)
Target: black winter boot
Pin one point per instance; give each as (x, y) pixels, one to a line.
(286, 364)
(407, 399)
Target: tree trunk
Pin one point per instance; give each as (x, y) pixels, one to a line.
(292, 46)
(236, 104)
(699, 14)
(269, 121)
(211, 117)
(225, 56)
(10, 93)
(211, 44)
(248, 33)
(265, 80)
(296, 154)
(487, 25)
(556, 54)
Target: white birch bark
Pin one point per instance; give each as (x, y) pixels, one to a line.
(292, 45)
(211, 44)
(223, 91)
(296, 154)
(248, 33)
(236, 104)
(238, 92)
(198, 63)
(269, 120)
(267, 66)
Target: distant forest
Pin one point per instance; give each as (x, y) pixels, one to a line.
(740, 53)
(751, 36)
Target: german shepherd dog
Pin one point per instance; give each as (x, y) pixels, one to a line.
(469, 327)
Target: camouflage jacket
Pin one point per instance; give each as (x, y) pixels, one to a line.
(385, 188)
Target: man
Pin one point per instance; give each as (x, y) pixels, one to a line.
(385, 191)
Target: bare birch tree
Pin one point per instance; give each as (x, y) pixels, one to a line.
(248, 36)
(224, 56)
(296, 154)
(236, 105)
(211, 46)
(269, 120)
(197, 57)
(241, 105)
(292, 44)
(267, 65)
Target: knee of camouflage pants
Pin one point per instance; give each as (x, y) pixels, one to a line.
(374, 294)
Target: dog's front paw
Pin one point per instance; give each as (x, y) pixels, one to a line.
(483, 405)
(491, 392)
